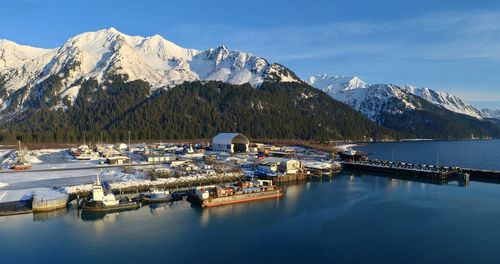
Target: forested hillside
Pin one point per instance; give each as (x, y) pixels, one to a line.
(193, 110)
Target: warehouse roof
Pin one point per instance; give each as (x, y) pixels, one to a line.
(230, 138)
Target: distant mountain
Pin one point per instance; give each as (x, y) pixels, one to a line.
(26, 73)
(489, 113)
(445, 100)
(419, 112)
(110, 81)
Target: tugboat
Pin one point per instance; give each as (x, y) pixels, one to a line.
(157, 196)
(102, 202)
(22, 162)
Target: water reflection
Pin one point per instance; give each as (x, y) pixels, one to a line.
(45, 216)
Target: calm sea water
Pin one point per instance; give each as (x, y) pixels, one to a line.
(350, 219)
(482, 154)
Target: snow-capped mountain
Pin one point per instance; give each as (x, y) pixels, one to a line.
(13, 55)
(97, 55)
(445, 100)
(490, 113)
(369, 99)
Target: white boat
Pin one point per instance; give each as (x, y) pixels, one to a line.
(105, 202)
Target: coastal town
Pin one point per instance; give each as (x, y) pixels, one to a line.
(229, 169)
(109, 177)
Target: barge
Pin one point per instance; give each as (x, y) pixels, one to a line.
(240, 192)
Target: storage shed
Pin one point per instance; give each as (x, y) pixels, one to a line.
(286, 166)
(230, 142)
(117, 160)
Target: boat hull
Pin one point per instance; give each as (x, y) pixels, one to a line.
(21, 167)
(147, 200)
(97, 207)
(240, 198)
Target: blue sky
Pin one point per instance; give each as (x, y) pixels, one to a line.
(452, 46)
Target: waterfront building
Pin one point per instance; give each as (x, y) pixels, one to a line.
(230, 142)
(286, 166)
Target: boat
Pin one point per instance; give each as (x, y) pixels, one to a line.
(86, 156)
(237, 193)
(157, 196)
(352, 155)
(22, 163)
(105, 202)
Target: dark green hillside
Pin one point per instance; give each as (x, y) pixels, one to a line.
(435, 122)
(195, 110)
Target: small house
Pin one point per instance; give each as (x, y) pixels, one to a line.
(117, 160)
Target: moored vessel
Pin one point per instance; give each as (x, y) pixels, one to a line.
(22, 162)
(105, 202)
(157, 196)
(236, 193)
(352, 155)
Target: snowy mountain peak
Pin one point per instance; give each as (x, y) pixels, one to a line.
(445, 100)
(336, 83)
(103, 53)
(13, 55)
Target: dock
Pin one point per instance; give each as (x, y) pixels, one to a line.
(483, 175)
(401, 169)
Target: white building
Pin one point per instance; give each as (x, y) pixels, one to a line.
(286, 166)
(230, 142)
(121, 146)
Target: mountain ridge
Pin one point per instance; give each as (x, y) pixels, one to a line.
(107, 52)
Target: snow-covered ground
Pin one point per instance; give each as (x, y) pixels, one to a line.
(27, 194)
(56, 159)
(141, 182)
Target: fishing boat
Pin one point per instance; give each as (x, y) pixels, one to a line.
(22, 162)
(105, 202)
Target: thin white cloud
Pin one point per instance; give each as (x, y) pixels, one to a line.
(438, 36)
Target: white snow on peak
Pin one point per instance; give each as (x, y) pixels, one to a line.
(13, 55)
(445, 100)
(369, 99)
(490, 113)
(153, 59)
(336, 83)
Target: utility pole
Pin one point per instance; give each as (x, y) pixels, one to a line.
(129, 159)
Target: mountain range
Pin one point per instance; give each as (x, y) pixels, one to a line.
(98, 55)
(47, 86)
(355, 92)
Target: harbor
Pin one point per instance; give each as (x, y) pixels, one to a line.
(154, 173)
(334, 208)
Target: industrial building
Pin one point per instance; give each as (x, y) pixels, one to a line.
(286, 166)
(230, 142)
